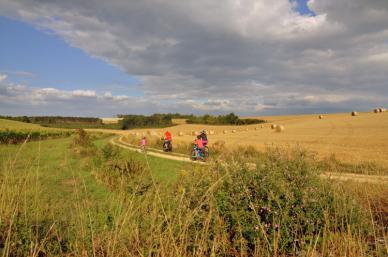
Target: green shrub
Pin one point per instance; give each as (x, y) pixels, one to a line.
(280, 205)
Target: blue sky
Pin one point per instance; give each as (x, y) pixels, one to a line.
(52, 62)
(302, 7)
(261, 57)
(42, 59)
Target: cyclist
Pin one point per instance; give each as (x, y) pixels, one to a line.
(143, 144)
(204, 137)
(199, 146)
(167, 141)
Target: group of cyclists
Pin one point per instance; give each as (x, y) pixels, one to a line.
(200, 149)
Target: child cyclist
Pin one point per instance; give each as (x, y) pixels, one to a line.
(204, 137)
(199, 146)
(143, 144)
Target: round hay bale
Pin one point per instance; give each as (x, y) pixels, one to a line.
(218, 145)
(273, 126)
(262, 126)
(225, 132)
(247, 129)
(320, 117)
(256, 128)
(180, 133)
(137, 134)
(148, 132)
(234, 131)
(211, 132)
(376, 110)
(279, 129)
(354, 113)
(380, 109)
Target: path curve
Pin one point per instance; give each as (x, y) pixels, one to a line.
(374, 179)
(119, 142)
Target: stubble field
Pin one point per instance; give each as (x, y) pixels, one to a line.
(353, 140)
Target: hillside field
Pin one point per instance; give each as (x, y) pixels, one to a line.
(358, 139)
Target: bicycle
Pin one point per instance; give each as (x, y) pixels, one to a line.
(167, 146)
(197, 154)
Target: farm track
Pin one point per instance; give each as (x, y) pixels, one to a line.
(152, 152)
(373, 179)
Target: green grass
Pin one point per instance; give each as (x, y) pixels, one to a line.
(54, 203)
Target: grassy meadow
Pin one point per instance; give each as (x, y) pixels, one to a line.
(81, 196)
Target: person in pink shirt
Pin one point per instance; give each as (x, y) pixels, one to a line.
(199, 143)
(143, 144)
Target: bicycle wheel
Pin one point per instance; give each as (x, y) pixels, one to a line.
(206, 152)
(193, 155)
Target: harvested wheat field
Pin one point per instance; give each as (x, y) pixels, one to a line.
(353, 139)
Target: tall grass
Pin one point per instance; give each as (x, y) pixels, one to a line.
(245, 204)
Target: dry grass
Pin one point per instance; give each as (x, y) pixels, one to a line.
(359, 139)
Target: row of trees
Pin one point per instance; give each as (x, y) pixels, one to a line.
(229, 119)
(141, 121)
(53, 119)
(134, 121)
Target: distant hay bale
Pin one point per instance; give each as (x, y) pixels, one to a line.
(211, 132)
(256, 128)
(262, 126)
(279, 129)
(247, 129)
(234, 131)
(137, 134)
(180, 133)
(273, 126)
(376, 110)
(225, 132)
(218, 145)
(354, 113)
(320, 117)
(194, 133)
(380, 109)
(383, 109)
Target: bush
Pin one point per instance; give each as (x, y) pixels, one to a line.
(280, 206)
(82, 143)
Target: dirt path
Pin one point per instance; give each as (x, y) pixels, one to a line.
(154, 152)
(329, 175)
(356, 177)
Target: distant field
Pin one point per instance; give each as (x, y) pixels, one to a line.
(179, 121)
(363, 138)
(16, 125)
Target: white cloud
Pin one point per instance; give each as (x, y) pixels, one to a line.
(251, 56)
(3, 77)
(84, 93)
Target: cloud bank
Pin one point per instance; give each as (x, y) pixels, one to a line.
(247, 56)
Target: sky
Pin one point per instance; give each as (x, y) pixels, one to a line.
(252, 57)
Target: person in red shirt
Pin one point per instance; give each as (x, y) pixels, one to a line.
(167, 136)
(167, 145)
